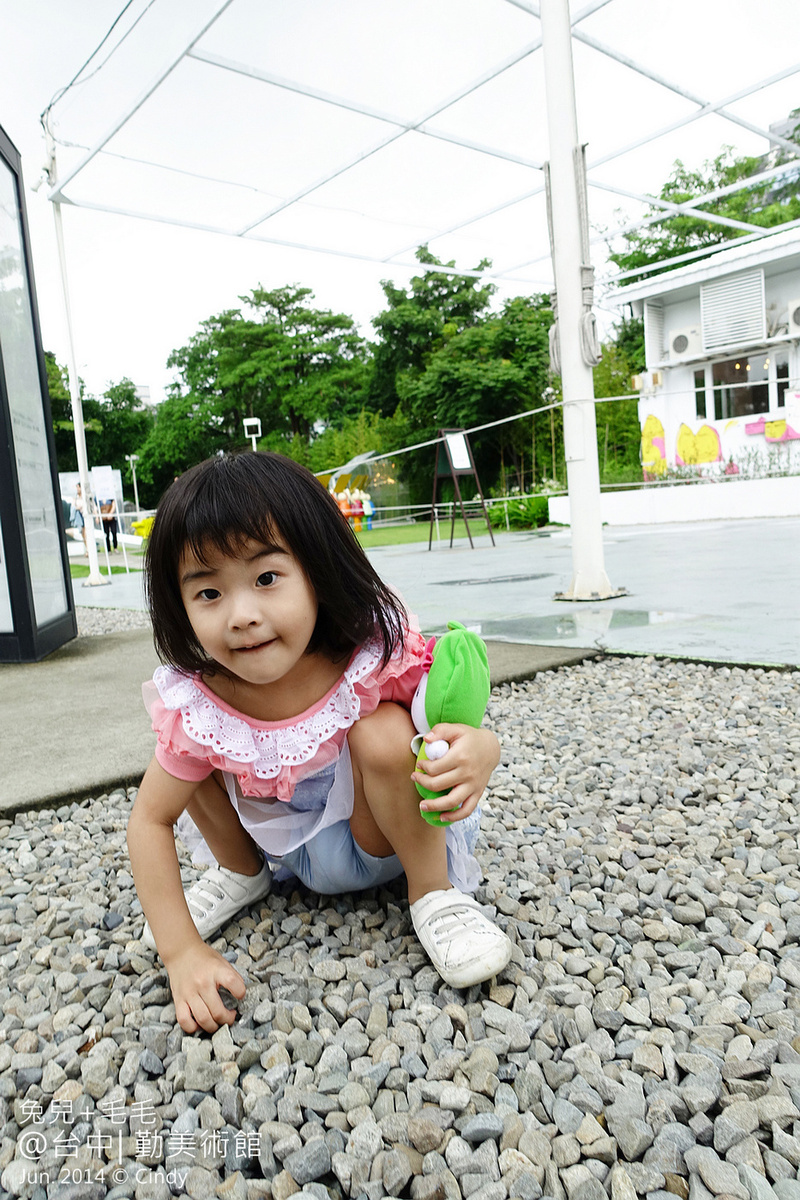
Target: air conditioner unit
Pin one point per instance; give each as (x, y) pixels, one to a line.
(794, 318)
(685, 343)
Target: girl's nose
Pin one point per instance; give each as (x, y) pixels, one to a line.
(243, 613)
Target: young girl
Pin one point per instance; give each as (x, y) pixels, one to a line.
(284, 732)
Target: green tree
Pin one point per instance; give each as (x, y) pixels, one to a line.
(61, 413)
(618, 430)
(286, 363)
(316, 359)
(122, 426)
(295, 367)
(366, 432)
(629, 340)
(114, 426)
(183, 433)
(767, 204)
(418, 320)
(481, 374)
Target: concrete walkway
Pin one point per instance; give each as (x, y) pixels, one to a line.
(74, 726)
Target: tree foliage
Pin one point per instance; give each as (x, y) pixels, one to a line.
(293, 366)
(479, 375)
(766, 204)
(618, 430)
(441, 359)
(367, 432)
(123, 425)
(114, 425)
(61, 413)
(418, 320)
(282, 361)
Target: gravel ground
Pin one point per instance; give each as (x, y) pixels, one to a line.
(94, 621)
(640, 845)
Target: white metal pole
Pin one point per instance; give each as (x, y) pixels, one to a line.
(589, 579)
(133, 459)
(95, 579)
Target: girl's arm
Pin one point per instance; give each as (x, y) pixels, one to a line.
(196, 971)
(465, 768)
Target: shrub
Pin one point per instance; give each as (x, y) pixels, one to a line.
(530, 512)
(143, 526)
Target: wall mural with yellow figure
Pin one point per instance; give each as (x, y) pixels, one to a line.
(725, 447)
(773, 431)
(694, 448)
(654, 454)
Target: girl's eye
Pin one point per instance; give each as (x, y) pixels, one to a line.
(266, 578)
(208, 594)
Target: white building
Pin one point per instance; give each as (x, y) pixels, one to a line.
(722, 341)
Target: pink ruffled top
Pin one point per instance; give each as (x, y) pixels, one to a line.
(198, 733)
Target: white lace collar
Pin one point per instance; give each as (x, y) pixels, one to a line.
(267, 749)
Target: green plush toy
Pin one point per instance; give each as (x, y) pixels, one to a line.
(455, 690)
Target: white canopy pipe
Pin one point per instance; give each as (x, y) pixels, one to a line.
(95, 579)
(589, 579)
(626, 61)
(691, 208)
(400, 123)
(417, 124)
(722, 110)
(355, 159)
(706, 252)
(57, 185)
(687, 119)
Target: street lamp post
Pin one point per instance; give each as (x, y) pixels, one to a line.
(133, 459)
(252, 430)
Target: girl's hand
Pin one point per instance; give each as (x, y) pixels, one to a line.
(195, 976)
(465, 769)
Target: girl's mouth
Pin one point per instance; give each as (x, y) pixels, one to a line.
(257, 646)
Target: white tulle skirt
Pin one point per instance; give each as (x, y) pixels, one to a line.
(278, 827)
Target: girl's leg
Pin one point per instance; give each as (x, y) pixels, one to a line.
(463, 945)
(386, 818)
(216, 818)
(219, 894)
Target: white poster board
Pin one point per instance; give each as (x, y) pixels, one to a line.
(104, 483)
(458, 451)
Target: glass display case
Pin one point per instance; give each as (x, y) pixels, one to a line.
(37, 612)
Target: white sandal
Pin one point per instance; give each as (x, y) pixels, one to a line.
(218, 895)
(463, 945)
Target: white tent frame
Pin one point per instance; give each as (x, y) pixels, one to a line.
(422, 124)
(570, 241)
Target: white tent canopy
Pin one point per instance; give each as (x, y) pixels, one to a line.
(365, 129)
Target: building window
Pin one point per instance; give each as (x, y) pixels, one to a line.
(700, 393)
(741, 386)
(781, 376)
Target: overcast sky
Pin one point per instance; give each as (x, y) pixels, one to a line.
(140, 289)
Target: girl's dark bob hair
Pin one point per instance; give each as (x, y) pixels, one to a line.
(218, 505)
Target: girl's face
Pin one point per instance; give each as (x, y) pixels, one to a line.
(253, 614)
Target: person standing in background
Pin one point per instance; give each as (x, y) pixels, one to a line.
(108, 511)
(79, 515)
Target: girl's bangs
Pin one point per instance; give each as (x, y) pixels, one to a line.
(223, 524)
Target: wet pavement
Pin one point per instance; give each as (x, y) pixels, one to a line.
(719, 590)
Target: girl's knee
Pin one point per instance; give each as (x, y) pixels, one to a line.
(383, 739)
